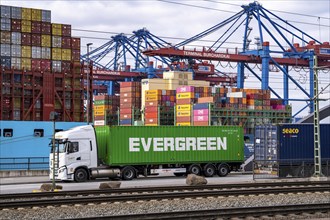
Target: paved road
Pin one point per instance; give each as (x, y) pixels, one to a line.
(29, 184)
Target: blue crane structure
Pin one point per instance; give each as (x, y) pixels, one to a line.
(269, 27)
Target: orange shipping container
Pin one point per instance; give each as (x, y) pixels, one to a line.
(201, 123)
(151, 114)
(125, 116)
(205, 100)
(183, 119)
(151, 121)
(126, 111)
(152, 103)
(184, 101)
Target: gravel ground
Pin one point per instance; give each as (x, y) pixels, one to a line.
(106, 209)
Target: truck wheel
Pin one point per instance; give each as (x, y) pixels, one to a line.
(209, 170)
(80, 175)
(223, 170)
(128, 173)
(194, 169)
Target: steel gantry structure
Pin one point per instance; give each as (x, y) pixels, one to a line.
(275, 30)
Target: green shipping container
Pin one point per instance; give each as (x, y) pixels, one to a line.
(143, 145)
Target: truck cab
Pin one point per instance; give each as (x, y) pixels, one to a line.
(74, 153)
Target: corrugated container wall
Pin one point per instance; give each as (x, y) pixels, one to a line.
(123, 150)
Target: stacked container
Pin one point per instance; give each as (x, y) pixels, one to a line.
(185, 97)
(105, 109)
(130, 102)
(201, 114)
(38, 64)
(159, 107)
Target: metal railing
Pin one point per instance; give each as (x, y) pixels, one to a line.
(24, 163)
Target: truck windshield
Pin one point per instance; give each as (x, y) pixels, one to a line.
(60, 146)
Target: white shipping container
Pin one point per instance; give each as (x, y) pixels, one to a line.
(5, 24)
(5, 50)
(16, 37)
(45, 53)
(16, 50)
(56, 41)
(16, 63)
(99, 122)
(236, 94)
(36, 52)
(5, 11)
(56, 66)
(16, 12)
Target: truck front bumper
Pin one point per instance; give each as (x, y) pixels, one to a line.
(62, 174)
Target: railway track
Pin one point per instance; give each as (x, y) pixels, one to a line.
(227, 213)
(29, 200)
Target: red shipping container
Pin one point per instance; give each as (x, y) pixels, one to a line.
(127, 95)
(66, 66)
(66, 30)
(75, 43)
(129, 89)
(151, 114)
(129, 84)
(183, 119)
(201, 118)
(184, 101)
(125, 105)
(66, 42)
(36, 40)
(36, 27)
(35, 64)
(201, 112)
(75, 55)
(125, 116)
(151, 109)
(152, 103)
(26, 39)
(151, 121)
(125, 111)
(45, 65)
(99, 117)
(46, 28)
(16, 25)
(200, 123)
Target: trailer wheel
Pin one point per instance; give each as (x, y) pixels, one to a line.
(194, 169)
(223, 170)
(80, 175)
(128, 173)
(209, 170)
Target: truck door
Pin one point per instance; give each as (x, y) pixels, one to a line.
(78, 152)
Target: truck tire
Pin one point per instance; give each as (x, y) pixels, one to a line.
(194, 169)
(209, 170)
(128, 173)
(223, 169)
(80, 175)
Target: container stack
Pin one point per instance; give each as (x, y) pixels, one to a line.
(105, 109)
(130, 102)
(40, 57)
(185, 97)
(159, 107)
(201, 114)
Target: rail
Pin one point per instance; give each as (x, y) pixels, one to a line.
(24, 163)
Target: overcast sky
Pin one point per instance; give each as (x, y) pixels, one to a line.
(171, 19)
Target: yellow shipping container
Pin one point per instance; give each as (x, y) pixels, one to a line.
(183, 107)
(56, 53)
(46, 40)
(151, 124)
(57, 29)
(152, 98)
(185, 95)
(99, 113)
(26, 26)
(26, 13)
(26, 51)
(183, 124)
(153, 92)
(66, 54)
(26, 63)
(102, 107)
(36, 14)
(183, 113)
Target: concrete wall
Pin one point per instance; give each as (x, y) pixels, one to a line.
(18, 173)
